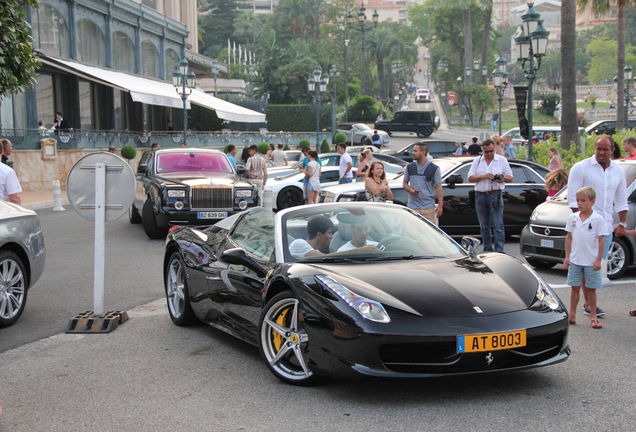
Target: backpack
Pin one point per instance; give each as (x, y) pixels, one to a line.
(429, 171)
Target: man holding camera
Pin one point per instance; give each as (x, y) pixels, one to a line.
(490, 172)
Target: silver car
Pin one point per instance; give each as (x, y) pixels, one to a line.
(22, 256)
(542, 241)
(360, 133)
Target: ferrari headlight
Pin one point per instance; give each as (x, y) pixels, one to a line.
(243, 193)
(176, 193)
(544, 293)
(369, 309)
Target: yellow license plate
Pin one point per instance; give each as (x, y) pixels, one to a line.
(491, 341)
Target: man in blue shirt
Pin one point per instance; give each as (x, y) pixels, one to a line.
(231, 151)
(423, 182)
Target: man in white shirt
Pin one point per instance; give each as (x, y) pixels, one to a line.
(490, 173)
(279, 157)
(608, 180)
(358, 225)
(256, 170)
(9, 185)
(346, 164)
(319, 233)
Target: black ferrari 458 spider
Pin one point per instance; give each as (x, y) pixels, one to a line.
(358, 288)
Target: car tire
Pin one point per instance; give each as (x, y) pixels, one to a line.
(618, 258)
(385, 130)
(289, 197)
(13, 279)
(424, 132)
(540, 264)
(149, 221)
(365, 141)
(133, 215)
(283, 341)
(176, 288)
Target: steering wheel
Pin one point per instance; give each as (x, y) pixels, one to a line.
(390, 241)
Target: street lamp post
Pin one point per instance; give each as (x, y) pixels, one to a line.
(215, 74)
(499, 77)
(459, 105)
(184, 81)
(334, 73)
(317, 84)
(252, 73)
(346, 75)
(531, 43)
(628, 71)
(362, 27)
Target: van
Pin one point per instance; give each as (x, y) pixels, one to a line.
(540, 132)
(607, 127)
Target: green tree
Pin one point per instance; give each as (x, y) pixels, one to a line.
(569, 124)
(216, 25)
(17, 59)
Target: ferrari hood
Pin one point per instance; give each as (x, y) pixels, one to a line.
(469, 286)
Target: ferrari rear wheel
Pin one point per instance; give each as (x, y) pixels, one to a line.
(176, 286)
(284, 343)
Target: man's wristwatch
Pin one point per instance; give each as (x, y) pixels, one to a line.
(623, 224)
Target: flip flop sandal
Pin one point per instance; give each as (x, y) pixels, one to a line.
(596, 324)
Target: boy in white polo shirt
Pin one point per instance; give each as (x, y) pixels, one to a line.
(584, 251)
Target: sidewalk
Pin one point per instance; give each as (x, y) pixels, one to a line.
(36, 200)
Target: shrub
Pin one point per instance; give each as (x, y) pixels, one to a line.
(286, 147)
(339, 137)
(263, 147)
(324, 147)
(128, 152)
(304, 143)
(549, 101)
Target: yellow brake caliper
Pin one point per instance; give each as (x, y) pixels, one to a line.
(278, 339)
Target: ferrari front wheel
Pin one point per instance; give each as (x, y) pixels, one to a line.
(176, 285)
(284, 343)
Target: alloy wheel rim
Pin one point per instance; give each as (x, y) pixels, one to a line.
(12, 289)
(284, 342)
(175, 290)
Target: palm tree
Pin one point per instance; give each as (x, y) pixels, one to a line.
(569, 123)
(602, 7)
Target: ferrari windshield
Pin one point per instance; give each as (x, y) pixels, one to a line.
(362, 232)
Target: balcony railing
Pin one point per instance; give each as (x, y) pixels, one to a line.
(29, 139)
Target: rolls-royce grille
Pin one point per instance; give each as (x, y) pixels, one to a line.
(211, 198)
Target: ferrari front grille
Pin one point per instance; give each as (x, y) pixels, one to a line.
(212, 198)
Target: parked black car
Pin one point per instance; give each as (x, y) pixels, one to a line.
(421, 122)
(436, 148)
(459, 217)
(187, 187)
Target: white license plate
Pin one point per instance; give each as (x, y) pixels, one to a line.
(547, 243)
(211, 215)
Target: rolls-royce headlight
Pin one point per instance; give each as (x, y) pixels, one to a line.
(243, 193)
(368, 309)
(176, 193)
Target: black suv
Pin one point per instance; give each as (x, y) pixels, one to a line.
(423, 123)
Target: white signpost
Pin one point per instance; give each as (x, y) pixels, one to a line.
(100, 188)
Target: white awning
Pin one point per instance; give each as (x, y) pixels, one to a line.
(155, 92)
(226, 110)
(144, 90)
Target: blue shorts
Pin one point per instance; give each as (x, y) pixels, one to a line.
(592, 277)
